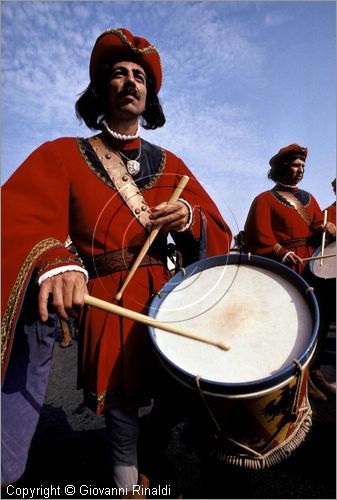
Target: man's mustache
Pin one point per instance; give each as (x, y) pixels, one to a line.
(129, 89)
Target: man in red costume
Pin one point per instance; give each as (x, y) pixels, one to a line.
(286, 224)
(327, 303)
(106, 192)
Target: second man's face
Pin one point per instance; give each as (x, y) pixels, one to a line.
(126, 92)
(294, 173)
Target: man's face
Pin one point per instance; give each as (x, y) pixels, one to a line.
(126, 92)
(294, 173)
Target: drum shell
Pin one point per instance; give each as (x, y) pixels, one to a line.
(253, 431)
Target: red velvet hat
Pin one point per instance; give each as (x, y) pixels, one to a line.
(121, 43)
(289, 153)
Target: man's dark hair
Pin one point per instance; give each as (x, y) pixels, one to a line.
(277, 170)
(91, 105)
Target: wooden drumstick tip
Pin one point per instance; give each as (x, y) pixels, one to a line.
(223, 346)
(146, 320)
(119, 295)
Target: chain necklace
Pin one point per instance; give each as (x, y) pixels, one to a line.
(132, 166)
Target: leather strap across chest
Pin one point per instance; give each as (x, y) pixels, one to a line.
(123, 182)
(297, 205)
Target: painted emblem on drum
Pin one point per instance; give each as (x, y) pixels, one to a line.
(280, 405)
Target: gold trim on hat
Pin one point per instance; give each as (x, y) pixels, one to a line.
(151, 49)
(113, 31)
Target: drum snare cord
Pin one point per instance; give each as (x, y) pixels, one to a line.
(295, 408)
(220, 431)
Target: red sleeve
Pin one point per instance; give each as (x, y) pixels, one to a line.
(35, 203)
(259, 236)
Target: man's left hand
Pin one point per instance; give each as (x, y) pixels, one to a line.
(330, 228)
(173, 217)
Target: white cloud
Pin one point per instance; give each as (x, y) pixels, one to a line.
(46, 54)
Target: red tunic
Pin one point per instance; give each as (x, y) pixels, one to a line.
(274, 227)
(58, 191)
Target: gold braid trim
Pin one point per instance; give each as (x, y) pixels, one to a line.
(101, 401)
(98, 402)
(277, 249)
(294, 203)
(107, 181)
(151, 49)
(157, 174)
(297, 205)
(58, 261)
(101, 176)
(15, 296)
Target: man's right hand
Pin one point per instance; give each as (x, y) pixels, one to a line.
(293, 258)
(330, 228)
(68, 290)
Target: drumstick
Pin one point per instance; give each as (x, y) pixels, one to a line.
(319, 257)
(142, 318)
(182, 183)
(323, 235)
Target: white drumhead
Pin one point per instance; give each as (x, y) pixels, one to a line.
(325, 268)
(262, 316)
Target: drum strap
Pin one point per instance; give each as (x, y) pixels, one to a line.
(297, 205)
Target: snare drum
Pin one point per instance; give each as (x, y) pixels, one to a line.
(325, 268)
(255, 394)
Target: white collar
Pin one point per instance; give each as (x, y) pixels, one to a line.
(120, 137)
(287, 185)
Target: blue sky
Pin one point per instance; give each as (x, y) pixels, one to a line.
(241, 80)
